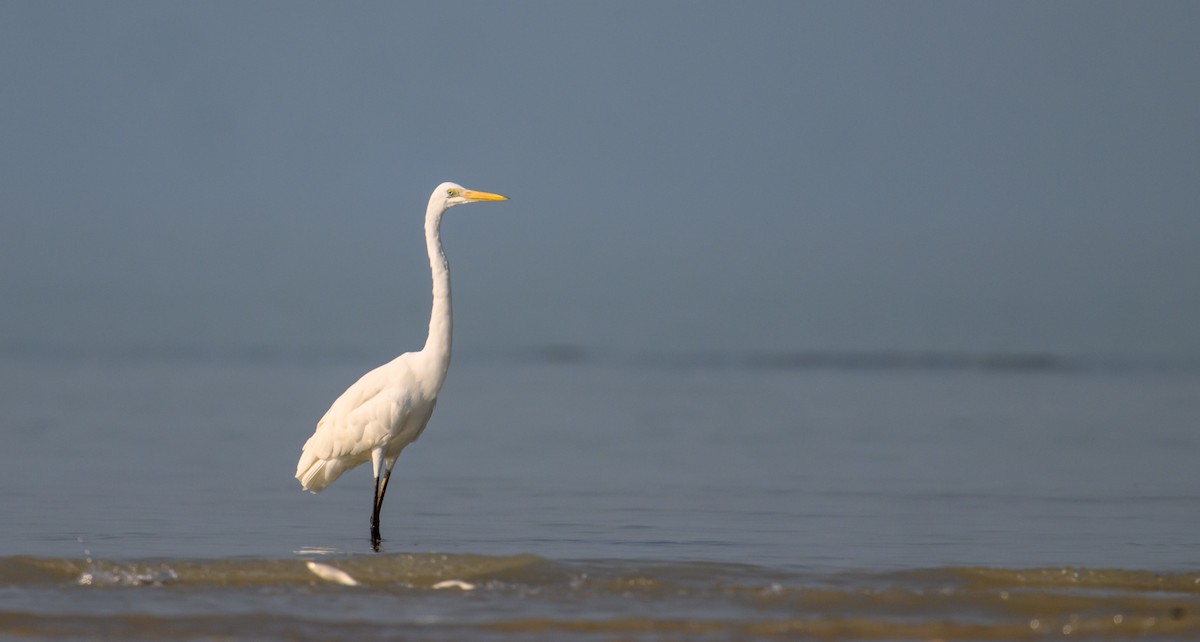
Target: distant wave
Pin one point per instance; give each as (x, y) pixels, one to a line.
(850, 360)
(186, 353)
(568, 354)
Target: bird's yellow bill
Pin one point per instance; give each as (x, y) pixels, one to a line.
(472, 195)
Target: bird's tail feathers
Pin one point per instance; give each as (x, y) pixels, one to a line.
(315, 473)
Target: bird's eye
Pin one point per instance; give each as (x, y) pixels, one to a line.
(451, 192)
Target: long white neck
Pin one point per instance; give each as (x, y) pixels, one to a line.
(437, 346)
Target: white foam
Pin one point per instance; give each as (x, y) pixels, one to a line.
(314, 550)
(458, 584)
(331, 574)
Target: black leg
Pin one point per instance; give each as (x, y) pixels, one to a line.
(375, 538)
(380, 490)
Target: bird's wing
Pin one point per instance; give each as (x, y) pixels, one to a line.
(360, 418)
(373, 413)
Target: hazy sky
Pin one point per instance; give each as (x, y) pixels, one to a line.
(683, 175)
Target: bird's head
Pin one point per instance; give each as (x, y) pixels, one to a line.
(451, 194)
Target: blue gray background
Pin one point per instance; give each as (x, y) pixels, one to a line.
(685, 176)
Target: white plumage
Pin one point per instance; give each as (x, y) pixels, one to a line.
(388, 408)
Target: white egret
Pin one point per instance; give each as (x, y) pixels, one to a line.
(387, 409)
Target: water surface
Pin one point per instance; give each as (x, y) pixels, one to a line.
(581, 498)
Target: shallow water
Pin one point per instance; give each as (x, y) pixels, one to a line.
(430, 596)
(152, 497)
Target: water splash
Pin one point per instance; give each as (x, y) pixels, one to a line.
(94, 575)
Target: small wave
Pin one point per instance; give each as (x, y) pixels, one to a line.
(418, 570)
(428, 569)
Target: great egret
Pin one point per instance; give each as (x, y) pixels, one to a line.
(387, 408)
